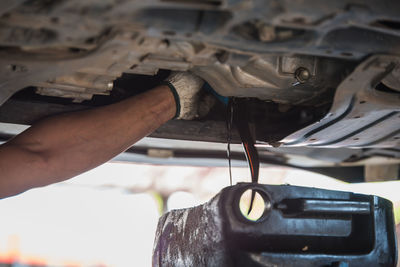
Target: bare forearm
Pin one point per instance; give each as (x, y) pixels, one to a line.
(69, 144)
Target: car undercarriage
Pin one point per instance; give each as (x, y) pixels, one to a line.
(320, 79)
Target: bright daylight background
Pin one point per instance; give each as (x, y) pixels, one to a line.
(108, 216)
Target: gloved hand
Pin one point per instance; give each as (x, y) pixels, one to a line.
(185, 87)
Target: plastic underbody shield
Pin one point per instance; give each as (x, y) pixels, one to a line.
(300, 226)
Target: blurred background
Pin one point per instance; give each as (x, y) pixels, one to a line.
(108, 216)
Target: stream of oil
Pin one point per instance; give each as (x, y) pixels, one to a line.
(229, 122)
(237, 113)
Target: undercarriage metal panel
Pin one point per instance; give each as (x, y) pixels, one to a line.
(293, 57)
(274, 78)
(361, 115)
(106, 64)
(257, 46)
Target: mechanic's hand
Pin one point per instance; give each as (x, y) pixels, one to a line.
(185, 87)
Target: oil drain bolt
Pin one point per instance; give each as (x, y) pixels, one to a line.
(302, 75)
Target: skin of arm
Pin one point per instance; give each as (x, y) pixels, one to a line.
(63, 146)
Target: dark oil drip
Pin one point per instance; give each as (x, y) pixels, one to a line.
(241, 120)
(253, 171)
(229, 122)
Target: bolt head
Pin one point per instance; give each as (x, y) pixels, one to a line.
(302, 74)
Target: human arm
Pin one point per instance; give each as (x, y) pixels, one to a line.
(63, 146)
